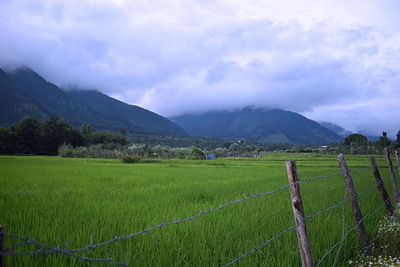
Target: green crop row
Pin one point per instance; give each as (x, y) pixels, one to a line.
(66, 202)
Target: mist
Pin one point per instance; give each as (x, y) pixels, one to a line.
(323, 60)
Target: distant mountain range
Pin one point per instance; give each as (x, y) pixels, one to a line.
(23, 92)
(344, 133)
(265, 125)
(337, 129)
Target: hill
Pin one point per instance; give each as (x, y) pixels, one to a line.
(15, 104)
(337, 129)
(344, 133)
(258, 124)
(24, 92)
(131, 113)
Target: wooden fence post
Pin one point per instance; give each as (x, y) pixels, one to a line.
(381, 187)
(351, 191)
(298, 213)
(1, 245)
(398, 161)
(395, 188)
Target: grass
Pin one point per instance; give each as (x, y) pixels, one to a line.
(386, 246)
(64, 202)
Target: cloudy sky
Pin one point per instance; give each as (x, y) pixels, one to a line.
(336, 61)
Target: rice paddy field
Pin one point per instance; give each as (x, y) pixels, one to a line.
(69, 203)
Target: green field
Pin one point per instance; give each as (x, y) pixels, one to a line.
(65, 202)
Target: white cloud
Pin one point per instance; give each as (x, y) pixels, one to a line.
(330, 60)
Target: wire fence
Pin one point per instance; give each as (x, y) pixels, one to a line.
(369, 188)
(78, 253)
(345, 235)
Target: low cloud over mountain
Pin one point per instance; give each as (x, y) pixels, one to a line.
(321, 59)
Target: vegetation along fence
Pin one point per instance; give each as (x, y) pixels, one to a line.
(299, 225)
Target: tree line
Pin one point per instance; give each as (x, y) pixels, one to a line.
(54, 136)
(30, 136)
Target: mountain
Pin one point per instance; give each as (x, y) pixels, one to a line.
(24, 92)
(372, 138)
(15, 104)
(133, 114)
(337, 129)
(258, 124)
(344, 133)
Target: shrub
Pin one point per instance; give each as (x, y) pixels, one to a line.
(80, 152)
(385, 249)
(131, 159)
(196, 153)
(66, 150)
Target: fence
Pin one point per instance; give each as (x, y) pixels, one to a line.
(298, 212)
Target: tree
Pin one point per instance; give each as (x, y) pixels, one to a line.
(28, 136)
(7, 141)
(108, 138)
(57, 132)
(196, 153)
(226, 144)
(87, 131)
(234, 147)
(356, 140)
(384, 140)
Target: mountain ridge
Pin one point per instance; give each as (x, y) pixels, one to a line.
(103, 103)
(24, 92)
(258, 124)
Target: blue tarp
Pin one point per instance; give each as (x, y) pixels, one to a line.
(210, 156)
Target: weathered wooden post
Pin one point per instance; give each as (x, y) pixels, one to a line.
(381, 187)
(1, 246)
(351, 191)
(298, 213)
(394, 182)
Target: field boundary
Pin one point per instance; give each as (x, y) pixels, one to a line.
(297, 205)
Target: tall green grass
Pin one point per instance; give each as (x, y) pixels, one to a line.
(64, 202)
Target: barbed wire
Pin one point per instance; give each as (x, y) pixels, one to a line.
(380, 233)
(261, 245)
(361, 170)
(370, 246)
(46, 249)
(302, 180)
(294, 226)
(190, 218)
(341, 202)
(52, 250)
(348, 232)
(343, 233)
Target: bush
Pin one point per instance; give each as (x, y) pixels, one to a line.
(80, 152)
(93, 151)
(385, 249)
(131, 159)
(103, 151)
(196, 153)
(66, 150)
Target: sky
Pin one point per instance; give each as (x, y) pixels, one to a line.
(334, 61)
